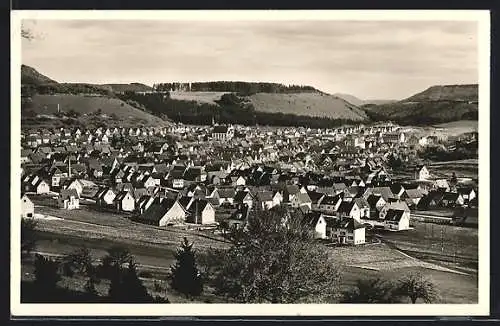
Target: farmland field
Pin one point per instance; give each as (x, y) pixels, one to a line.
(200, 97)
(429, 241)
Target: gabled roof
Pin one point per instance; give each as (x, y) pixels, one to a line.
(264, 196)
(373, 200)
(394, 215)
(348, 224)
(346, 207)
(67, 193)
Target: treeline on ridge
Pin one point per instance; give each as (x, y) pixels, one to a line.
(245, 88)
(231, 109)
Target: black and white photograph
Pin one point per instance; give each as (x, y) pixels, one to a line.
(196, 162)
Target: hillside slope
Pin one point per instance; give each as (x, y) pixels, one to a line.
(307, 104)
(437, 104)
(47, 104)
(447, 93)
(31, 76)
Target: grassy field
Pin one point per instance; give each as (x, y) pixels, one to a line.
(431, 241)
(47, 105)
(459, 127)
(453, 288)
(308, 104)
(200, 97)
(90, 224)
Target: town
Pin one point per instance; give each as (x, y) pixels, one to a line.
(341, 181)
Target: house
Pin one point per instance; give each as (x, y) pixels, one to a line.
(316, 222)
(346, 231)
(243, 197)
(316, 198)
(105, 196)
(413, 195)
(301, 199)
(225, 196)
(222, 133)
(376, 203)
(467, 194)
(124, 201)
(423, 173)
(27, 207)
(68, 199)
(80, 184)
(396, 205)
(397, 220)
(352, 210)
(201, 212)
(143, 203)
(238, 181)
(265, 199)
(329, 204)
(452, 199)
(239, 217)
(163, 212)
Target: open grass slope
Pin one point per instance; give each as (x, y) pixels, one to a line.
(199, 97)
(437, 104)
(313, 104)
(47, 104)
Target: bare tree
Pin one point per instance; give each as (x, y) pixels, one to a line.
(417, 286)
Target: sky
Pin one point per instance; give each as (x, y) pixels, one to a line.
(367, 59)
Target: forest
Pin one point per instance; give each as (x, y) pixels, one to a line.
(230, 109)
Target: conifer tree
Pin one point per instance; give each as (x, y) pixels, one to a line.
(185, 276)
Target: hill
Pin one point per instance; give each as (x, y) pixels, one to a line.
(307, 104)
(86, 109)
(459, 93)
(42, 95)
(437, 104)
(31, 76)
(359, 102)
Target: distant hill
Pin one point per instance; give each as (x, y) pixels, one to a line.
(42, 95)
(437, 104)
(359, 102)
(31, 76)
(307, 104)
(458, 93)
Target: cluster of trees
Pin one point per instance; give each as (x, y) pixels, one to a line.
(438, 153)
(229, 109)
(422, 113)
(28, 90)
(245, 88)
(411, 287)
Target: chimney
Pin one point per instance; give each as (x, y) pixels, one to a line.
(58, 109)
(69, 168)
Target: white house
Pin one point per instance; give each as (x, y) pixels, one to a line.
(163, 212)
(68, 199)
(397, 220)
(124, 201)
(346, 231)
(106, 196)
(423, 173)
(316, 222)
(201, 212)
(27, 207)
